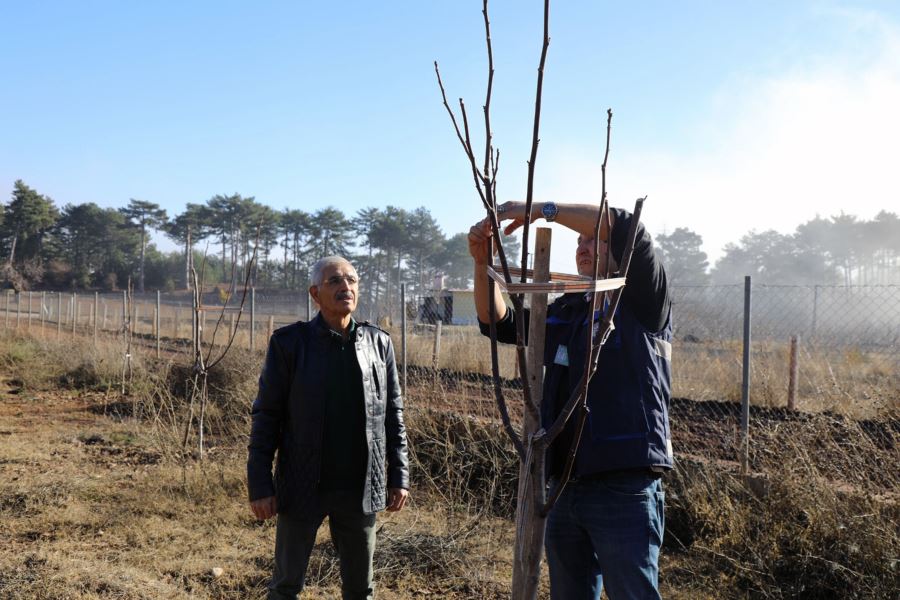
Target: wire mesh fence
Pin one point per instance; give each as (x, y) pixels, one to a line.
(843, 423)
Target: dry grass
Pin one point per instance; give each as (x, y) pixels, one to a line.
(853, 381)
(98, 501)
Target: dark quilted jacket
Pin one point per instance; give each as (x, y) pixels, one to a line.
(288, 416)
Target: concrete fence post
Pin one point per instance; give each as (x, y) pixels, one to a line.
(403, 338)
(96, 314)
(252, 318)
(436, 352)
(156, 320)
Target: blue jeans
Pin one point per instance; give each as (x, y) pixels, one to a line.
(606, 532)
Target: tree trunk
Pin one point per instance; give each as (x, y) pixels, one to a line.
(141, 273)
(187, 259)
(12, 248)
(530, 524)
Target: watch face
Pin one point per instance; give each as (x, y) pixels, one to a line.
(549, 211)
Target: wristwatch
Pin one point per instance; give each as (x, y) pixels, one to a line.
(549, 211)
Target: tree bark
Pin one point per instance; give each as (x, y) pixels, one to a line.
(529, 546)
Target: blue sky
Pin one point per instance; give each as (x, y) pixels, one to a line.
(731, 116)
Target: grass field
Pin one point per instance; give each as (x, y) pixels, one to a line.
(98, 499)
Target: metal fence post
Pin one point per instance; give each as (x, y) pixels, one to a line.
(30, 295)
(18, 309)
(252, 318)
(745, 383)
(403, 337)
(7, 307)
(308, 306)
(74, 312)
(58, 314)
(41, 312)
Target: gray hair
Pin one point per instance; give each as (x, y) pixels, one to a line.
(319, 268)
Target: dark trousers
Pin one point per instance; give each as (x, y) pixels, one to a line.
(352, 533)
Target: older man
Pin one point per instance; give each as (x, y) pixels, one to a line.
(607, 527)
(329, 403)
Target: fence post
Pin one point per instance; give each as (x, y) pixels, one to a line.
(252, 317)
(18, 309)
(815, 311)
(30, 294)
(125, 313)
(96, 314)
(436, 353)
(403, 338)
(745, 383)
(795, 369)
(58, 314)
(74, 312)
(271, 327)
(41, 311)
(308, 306)
(156, 319)
(7, 307)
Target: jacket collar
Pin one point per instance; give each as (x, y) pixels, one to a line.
(323, 330)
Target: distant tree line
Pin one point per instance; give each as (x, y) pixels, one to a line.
(840, 250)
(84, 246)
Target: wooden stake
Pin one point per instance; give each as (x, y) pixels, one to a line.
(529, 545)
(792, 381)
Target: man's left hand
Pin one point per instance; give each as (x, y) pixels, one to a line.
(397, 499)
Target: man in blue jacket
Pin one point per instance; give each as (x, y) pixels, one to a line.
(606, 529)
(329, 403)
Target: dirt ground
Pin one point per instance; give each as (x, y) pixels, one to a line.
(91, 509)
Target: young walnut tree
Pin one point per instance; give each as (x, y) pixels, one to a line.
(532, 443)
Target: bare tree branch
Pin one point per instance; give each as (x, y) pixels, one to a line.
(535, 139)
